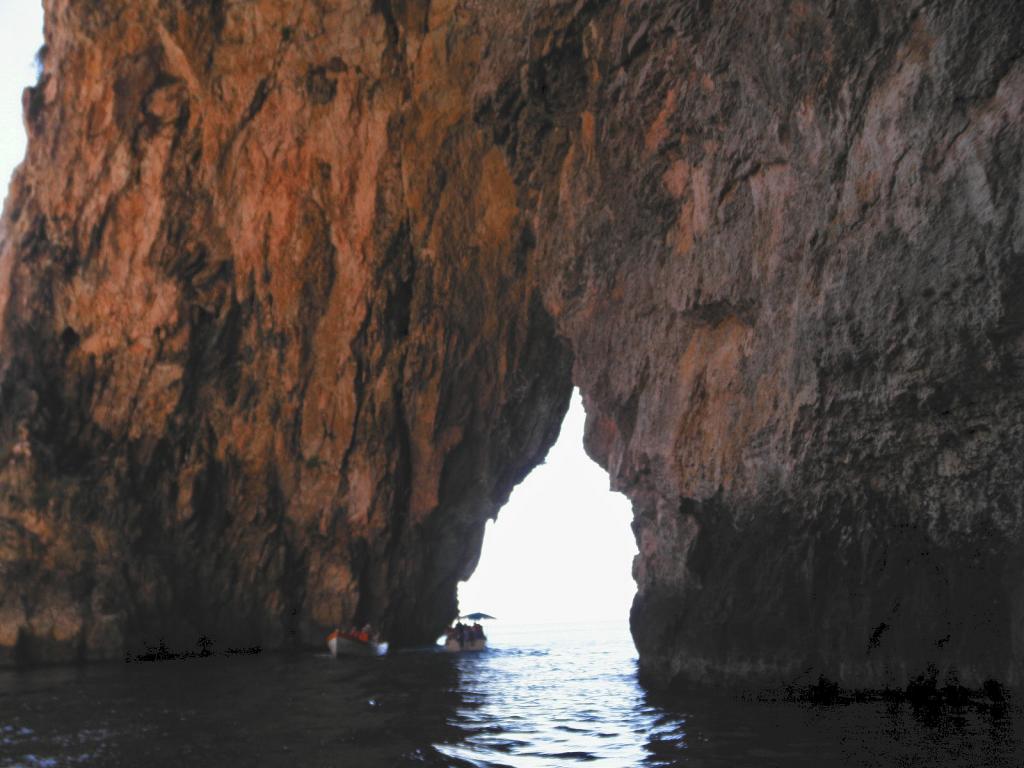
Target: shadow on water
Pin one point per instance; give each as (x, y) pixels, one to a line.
(705, 729)
(268, 710)
(549, 698)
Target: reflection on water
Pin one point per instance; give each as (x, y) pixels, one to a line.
(559, 696)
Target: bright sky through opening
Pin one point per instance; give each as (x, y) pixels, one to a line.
(562, 548)
(21, 36)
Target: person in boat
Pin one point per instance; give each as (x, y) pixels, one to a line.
(360, 635)
(478, 631)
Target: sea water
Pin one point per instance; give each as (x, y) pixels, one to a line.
(545, 695)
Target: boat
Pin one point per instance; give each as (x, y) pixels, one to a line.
(463, 637)
(354, 644)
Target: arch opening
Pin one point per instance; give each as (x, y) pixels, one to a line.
(562, 549)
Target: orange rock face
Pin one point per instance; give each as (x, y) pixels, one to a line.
(293, 293)
(265, 328)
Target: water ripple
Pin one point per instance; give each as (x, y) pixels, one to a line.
(553, 697)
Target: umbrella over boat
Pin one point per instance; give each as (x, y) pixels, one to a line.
(478, 616)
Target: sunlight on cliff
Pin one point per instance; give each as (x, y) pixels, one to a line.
(562, 548)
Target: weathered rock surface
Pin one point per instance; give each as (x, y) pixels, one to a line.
(294, 293)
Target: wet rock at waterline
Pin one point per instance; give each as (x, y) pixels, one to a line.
(294, 293)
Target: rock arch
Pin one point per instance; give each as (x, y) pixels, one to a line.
(293, 294)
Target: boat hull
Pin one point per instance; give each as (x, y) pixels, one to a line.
(454, 646)
(343, 646)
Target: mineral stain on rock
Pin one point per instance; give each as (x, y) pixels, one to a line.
(293, 294)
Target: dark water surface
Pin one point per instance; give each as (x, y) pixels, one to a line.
(557, 696)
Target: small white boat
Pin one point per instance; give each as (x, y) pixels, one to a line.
(345, 644)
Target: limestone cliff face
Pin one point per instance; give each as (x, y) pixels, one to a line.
(294, 293)
(273, 351)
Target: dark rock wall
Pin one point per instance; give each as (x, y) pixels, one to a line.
(792, 277)
(293, 294)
